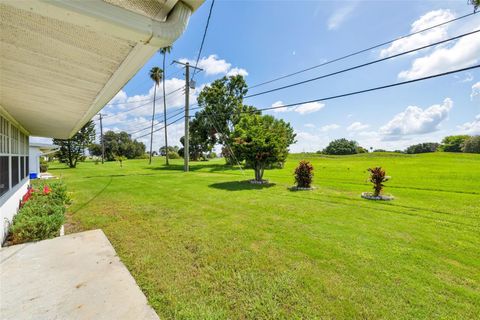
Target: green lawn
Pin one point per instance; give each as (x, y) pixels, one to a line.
(205, 245)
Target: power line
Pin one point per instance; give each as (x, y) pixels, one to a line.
(203, 39)
(361, 65)
(170, 117)
(169, 124)
(360, 51)
(142, 105)
(367, 90)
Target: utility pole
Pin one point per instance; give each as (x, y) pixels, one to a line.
(101, 138)
(186, 151)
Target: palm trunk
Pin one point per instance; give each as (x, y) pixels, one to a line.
(165, 111)
(153, 119)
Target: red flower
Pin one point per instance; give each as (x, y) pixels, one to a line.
(46, 189)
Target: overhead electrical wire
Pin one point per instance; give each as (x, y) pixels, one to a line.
(170, 117)
(362, 51)
(169, 124)
(142, 105)
(203, 39)
(361, 65)
(368, 90)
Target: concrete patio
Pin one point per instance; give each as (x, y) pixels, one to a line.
(78, 276)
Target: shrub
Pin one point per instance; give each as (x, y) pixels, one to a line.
(304, 174)
(422, 148)
(212, 155)
(341, 147)
(173, 155)
(453, 143)
(377, 177)
(43, 165)
(31, 227)
(472, 145)
(42, 212)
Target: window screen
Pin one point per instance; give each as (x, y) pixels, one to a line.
(14, 171)
(3, 174)
(27, 166)
(22, 167)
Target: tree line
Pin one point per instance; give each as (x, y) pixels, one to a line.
(454, 143)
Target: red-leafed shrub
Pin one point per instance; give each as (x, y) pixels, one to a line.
(304, 174)
(377, 177)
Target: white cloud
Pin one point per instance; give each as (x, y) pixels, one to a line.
(475, 91)
(357, 126)
(471, 127)
(415, 120)
(340, 16)
(309, 125)
(464, 53)
(211, 65)
(237, 71)
(421, 39)
(278, 104)
(309, 107)
(329, 127)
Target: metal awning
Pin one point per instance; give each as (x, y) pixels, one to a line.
(62, 61)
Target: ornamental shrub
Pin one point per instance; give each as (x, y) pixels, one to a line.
(377, 177)
(32, 227)
(304, 174)
(42, 212)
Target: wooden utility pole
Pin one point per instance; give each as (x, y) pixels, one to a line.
(186, 147)
(101, 139)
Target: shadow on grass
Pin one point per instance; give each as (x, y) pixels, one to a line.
(196, 166)
(240, 185)
(119, 175)
(94, 197)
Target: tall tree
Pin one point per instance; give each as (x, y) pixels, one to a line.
(156, 75)
(118, 145)
(164, 52)
(71, 150)
(262, 141)
(222, 103)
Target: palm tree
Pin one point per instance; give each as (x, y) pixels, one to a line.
(164, 52)
(156, 74)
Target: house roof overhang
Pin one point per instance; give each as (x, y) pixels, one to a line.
(62, 61)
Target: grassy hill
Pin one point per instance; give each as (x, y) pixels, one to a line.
(207, 245)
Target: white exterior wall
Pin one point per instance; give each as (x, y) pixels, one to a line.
(34, 160)
(9, 203)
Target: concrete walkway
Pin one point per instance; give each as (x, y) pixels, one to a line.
(78, 276)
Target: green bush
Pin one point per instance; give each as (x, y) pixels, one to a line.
(43, 165)
(341, 147)
(31, 227)
(472, 145)
(173, 155)
(423, 148)
(43, 214)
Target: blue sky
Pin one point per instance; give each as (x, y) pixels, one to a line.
(267, 39)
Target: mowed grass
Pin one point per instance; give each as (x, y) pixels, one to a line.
(207, 245)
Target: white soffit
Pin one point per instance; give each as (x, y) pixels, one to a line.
(62, 61)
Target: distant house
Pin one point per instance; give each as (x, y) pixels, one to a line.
(36, 152)
(61, 62)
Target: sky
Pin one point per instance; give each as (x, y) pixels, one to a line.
(262, 40)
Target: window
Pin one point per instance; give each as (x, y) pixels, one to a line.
(4, 176)
(27, 166)
(22, 167)
(14, 171)
(13, 155)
